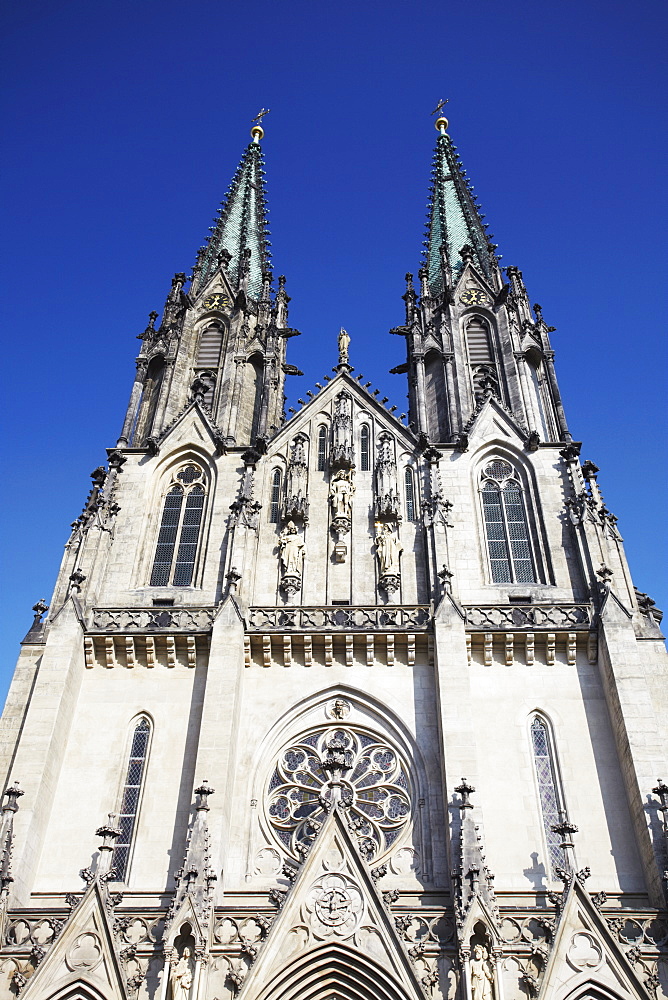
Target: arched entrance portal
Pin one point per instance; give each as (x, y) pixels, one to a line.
(333, 972)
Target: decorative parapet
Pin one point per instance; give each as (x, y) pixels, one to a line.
(344, 619)
(488, 617)
(111, 620)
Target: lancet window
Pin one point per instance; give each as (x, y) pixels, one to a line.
(481, 357)
(322, 448)
(549, 789)
(409, 484)
(506, 525)
(130, 801)
(210, 344)
(275, 501)
(374, 784)
(180, 528)
(365, 449)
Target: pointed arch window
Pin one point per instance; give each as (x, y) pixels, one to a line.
(506, 525)
(180, 528)
(549, 788)
(322, 448)
(131, 797)
(481, 357)
(365, 448)
(275, 502)
(210, 344)
(411, 512)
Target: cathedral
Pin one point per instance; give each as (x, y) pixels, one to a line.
(340, 703)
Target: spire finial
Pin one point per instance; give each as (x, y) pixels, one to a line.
(441, 123)
(257, 132)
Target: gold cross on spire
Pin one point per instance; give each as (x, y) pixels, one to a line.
(260, 115)
(441, 104)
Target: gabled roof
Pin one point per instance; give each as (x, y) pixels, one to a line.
(344, 381)
(240, 229)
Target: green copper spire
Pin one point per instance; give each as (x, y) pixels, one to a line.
(239, 236)
(454, 221)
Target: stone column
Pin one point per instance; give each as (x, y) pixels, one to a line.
(418, 361)
(133, 405)
(449, 362)
(230, 436)
(527, 396)
(556, 397)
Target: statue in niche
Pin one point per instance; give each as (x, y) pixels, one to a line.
(343, 344)
(482, 974)
(181, 978)
(389, 549)
(292, 550)
(341, 494)
(342, 446)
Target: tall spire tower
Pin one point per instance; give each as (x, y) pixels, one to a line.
(220, 344)
(470, 335)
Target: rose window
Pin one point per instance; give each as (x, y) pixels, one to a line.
(373, 784)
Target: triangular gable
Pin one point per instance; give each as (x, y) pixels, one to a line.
(327, 395)
(491, 418)
(333, 929)
(193, 425)
(585, 954)
(83, 953)
(470, 277)
(219, 282)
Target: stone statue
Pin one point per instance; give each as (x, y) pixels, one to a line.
(182, 977)
(341, 494)
(389, 550)
(482, 974)
(344, 344)
(292, 550)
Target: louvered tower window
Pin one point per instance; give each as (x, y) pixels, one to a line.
(208, 352)
(549, 790)
(478, 342)
(322, 448)
(506, 527)
(365, 457)
(484, 376)
(131, 797)
(410, 494)
(275, 503)
(178, 539)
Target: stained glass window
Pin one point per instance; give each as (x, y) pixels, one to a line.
(322, 449)
(375, 786)
(506, 526)
(410, 495)
(175, 564)
(551, 800)
(365, 459)
(275, 503)
(131, 796)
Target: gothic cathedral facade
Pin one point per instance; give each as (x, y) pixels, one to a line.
(343, 706)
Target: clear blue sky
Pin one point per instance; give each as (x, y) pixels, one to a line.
(124, 122)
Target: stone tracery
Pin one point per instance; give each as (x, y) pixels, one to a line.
(376, 789)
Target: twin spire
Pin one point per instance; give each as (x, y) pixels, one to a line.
(239, 237)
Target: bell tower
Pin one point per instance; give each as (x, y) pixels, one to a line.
(470, 333)
(221, 342)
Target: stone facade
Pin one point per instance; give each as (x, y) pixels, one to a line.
(329, 619)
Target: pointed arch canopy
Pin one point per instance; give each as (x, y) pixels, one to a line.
(333, 970)
(78, 990)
